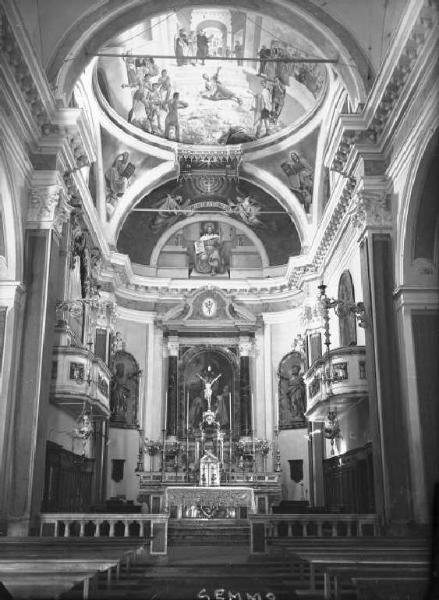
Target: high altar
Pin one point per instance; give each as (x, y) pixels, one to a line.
(209, 462)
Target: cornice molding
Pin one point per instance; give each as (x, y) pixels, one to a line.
(415, 38)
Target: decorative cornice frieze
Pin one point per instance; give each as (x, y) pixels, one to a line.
(336, 218)
(48, 208)
(13, 57)
(367, 128)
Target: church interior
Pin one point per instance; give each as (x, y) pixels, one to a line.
(219, 299)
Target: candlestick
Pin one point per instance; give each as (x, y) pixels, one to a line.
(165, 426)
(277, 411)
(230, 412)
(187, 412)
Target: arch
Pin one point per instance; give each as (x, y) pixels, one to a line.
(412, 197)
(11, 255)
(197, 219)
(94, 29)
(224, 363)
(346, 319)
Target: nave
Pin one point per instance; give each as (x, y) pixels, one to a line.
(219, 299)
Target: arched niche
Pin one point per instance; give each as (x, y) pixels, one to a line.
(194, 361)
(11, 233)
(346, 319)
(419, 229)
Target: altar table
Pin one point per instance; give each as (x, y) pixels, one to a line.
(221, 497)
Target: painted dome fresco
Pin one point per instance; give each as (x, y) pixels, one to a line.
(209, 76)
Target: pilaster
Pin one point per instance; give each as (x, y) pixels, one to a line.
(47, 212)
(372, 218)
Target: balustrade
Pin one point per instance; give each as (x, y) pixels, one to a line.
(149, 526)
(283, 528)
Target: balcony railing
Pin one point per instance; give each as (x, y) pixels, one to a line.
(338, 378)
(79, 376)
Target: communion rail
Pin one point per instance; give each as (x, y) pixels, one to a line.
(284, 528)
(153, 527)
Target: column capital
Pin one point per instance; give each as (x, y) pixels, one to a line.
(246, 346)
(173, 345)
(48, 207)
(371, 208)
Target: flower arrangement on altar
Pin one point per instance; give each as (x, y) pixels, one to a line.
(173, 450)
(263, 446)
(243, 447)
(152, 447)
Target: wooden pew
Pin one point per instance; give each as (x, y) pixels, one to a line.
(356, 558)
(35, 567)
(335, 576)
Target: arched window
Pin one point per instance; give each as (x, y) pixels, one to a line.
(347, 323)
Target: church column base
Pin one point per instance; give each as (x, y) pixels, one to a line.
(22, 527)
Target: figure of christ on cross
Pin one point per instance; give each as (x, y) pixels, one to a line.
(208, 383)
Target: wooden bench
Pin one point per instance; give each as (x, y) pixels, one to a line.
(335, 576)
(30, 569)
(357, 558)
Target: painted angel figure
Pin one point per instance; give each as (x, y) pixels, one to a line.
(247, 209)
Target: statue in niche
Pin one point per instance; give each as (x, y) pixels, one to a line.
(196, 410)
(300, 178)
(116, 180)
(222, 407)
(292, 392)
(124, 390)
(209, 252)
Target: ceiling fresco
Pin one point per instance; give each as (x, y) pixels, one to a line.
(217, 84)
(253, 210)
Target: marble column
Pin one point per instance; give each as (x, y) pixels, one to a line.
(172, 388)
(245, 395)
(47, 211)
(317, 445)
(387, 421)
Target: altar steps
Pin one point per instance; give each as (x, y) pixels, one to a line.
(203, 532)
(187, 572)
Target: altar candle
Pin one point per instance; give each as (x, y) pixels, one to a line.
(253, 415)
(230, 411)
(166, 411)
(187, 411)
(277, 412)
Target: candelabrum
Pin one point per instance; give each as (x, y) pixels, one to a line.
(342, 308)
(276, 457)
(332, 428)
